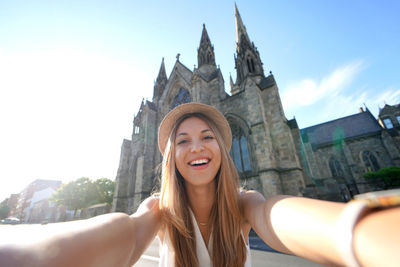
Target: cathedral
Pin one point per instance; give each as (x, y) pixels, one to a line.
(272, 155)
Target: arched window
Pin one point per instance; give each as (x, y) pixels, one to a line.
(336, 168)
(240, 150)
(370, 161)
(250, 64)
(182, 97)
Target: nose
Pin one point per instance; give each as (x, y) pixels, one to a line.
(197, 146)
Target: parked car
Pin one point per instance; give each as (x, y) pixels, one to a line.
(10, 220)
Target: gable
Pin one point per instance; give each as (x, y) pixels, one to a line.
(179, 79)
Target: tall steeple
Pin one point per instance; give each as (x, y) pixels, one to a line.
(247, 59)
(160, 82)
(240, 28)
(205, 52)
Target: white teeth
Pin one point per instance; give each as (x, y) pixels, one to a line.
(199, 161)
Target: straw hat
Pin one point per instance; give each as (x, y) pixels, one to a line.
(168, 123)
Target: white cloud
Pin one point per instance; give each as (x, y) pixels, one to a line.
(308, 91)
(315, 101)
(390, 96)
(373, 101)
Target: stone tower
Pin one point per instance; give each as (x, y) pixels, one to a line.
(265, 145)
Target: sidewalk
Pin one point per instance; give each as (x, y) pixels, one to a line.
(259, 258)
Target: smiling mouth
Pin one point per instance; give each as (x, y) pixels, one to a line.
(199, 162)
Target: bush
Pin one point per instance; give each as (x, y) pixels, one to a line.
(390, 176)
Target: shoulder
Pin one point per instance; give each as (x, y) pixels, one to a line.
(250, 197)
(250, 202)
(149, 205)
(148, 210)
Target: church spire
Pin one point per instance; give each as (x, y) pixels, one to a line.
(241, 32)
(205, 52)
(160, 82)
(247, 59)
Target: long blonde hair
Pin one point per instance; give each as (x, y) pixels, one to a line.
(228, 244)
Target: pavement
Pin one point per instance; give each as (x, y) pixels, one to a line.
(266, 257)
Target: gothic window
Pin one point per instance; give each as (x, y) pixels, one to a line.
(370, 161)
(182, 97)
(250, 64)
(240, 150)
(388, 123)
(336, 167)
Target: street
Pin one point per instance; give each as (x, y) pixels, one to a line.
(258, 258)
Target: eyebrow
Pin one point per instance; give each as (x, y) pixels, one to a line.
(203, 131)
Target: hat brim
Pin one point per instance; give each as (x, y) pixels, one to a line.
(168, 123)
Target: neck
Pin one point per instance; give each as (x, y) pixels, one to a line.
(201, 200)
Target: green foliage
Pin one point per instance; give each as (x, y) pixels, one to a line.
(390, 176)
(83, 193)
(4, 209)
(105, 190)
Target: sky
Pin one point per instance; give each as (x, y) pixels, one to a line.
(73, 73)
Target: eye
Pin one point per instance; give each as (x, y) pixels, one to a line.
(180, 142)
(208, 137)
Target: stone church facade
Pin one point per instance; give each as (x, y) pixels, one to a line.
(271, 154)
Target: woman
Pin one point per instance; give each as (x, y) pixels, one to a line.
(203, 219)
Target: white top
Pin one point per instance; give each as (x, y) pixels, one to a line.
(167, 255)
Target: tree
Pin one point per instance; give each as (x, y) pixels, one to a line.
(4, 209)
(76, 194)
(105, 190)
(390, 176)
(83, 193)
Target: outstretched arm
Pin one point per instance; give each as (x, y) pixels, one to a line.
(108, 240)
(307, 228)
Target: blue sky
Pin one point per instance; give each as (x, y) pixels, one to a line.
(73, 73)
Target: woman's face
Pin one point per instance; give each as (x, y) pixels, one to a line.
(197, 153)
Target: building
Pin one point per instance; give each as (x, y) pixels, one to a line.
(12, 204)
(35, 191)
(271, 153)
(389, 119)
(337, 153)
(40, 196)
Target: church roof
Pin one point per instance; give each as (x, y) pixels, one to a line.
(359, 124)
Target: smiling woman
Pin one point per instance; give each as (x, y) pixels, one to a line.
(202, 218)
(211, 189)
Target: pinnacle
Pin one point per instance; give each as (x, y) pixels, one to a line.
(162, 73)
(205, 40)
